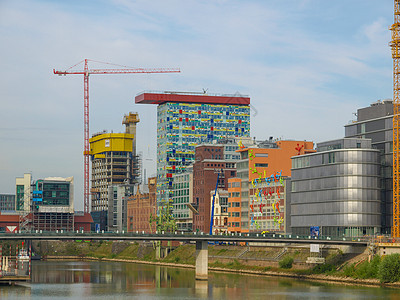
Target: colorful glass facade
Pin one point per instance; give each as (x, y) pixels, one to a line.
(183, 125)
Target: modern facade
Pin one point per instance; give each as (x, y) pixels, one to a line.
(114, 162)
(118, 196)
(375, 122)
(270, 162)
(142, 207)
(182, 196)
(23, 193)
(337, 189)
(185, 120)
(53, 204)
(7, 202)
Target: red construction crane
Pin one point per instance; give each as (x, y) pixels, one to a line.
(86, 72)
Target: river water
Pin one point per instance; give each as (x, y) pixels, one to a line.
(117, 280)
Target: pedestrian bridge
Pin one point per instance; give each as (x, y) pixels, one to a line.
(201, 240)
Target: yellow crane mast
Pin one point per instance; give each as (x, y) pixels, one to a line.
(395, 45)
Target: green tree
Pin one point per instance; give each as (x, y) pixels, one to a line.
(165, 220)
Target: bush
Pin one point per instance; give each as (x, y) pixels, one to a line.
(324, 268)
(286, 262)
(368, 269)
(389, 268)
(349, 271)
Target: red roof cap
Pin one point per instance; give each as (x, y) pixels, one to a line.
(181, 97)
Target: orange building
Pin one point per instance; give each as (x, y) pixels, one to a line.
(141, 206)
(267, 162)
(234, 205)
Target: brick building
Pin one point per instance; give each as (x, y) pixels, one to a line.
(209, 161)
(141, 206)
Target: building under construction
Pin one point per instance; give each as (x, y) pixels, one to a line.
(46, 204)
(114, 162)
(53, 204)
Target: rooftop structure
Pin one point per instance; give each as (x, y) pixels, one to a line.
(157, 97)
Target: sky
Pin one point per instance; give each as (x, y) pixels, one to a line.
(307, 65)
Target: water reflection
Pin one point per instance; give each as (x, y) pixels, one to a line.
(102, 280)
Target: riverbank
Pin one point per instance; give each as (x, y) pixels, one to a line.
(258, 261)
(314, 277)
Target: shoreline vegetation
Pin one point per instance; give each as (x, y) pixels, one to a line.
(261, 261)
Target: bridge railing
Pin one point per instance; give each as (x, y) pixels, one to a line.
(261, 236)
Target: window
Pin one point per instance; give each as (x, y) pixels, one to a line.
(261, 165)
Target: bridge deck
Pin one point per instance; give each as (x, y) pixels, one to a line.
(181, 237)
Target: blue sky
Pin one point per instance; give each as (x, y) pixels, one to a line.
(306, 65)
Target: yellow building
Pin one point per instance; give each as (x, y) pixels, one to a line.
(114, 162)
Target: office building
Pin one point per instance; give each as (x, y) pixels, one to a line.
(375, 122)
(53, 204)
(182, 189)
(185, 120)
(118, 196)
(7, 202)
(210, 171)
(23, 193)
(262, 168)
(337, 189)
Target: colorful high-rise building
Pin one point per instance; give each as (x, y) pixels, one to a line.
(185, 120)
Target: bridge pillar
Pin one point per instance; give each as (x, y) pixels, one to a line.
(201, 260)
(158, 250)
